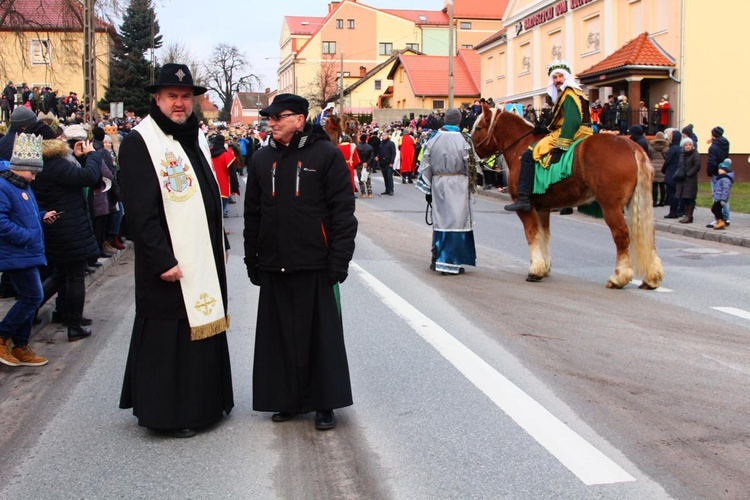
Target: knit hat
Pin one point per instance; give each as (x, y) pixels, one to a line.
(22, 117)
(686, 140)
(97, 133)
(636, 130)
(452, 117)
(27, 153)
(726, 165)
(75, 132)
(688, 129)
(717, 131)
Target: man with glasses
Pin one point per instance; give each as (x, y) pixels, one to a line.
(299, 239)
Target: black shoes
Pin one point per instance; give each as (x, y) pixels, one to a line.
(566, 211)
(386, 194)
(57, 317)
(325, 420)
(176, 433)
(77, 333)
(522, 204)
(282, 416)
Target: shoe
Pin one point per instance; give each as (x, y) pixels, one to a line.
(105, 255)
(362, 195)
(325, 420)
(720, 224)
(76, 333)
(282, 416)
(231, 201)
(727, 223)
(108, 248)
(96, 264)
(177, 433)
(6, 355)
(403, 181)
(27, 357)
(411, 181)
(566, 211)
(117, 243)
(671, 216)
(522, 204)
(90, 270)
(432, 266)
(58, 317)
(385, 193)
(369, 195)
(711, 224)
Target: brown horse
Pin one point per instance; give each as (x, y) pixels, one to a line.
(608, 169)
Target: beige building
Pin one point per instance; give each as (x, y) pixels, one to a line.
(354, 38)
(48, 54)
(642, 49)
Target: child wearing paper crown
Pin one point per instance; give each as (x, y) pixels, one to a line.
(722, 186)
(21, 248)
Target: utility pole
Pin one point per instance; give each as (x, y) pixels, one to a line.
(341, 85)
(153, 35)
(89, 60)
(451, 53)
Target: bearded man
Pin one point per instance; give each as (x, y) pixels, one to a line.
(178, 377)
(570, 121)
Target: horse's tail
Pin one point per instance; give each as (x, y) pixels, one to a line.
(641, 223)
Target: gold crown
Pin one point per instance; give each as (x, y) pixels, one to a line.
(27, 151)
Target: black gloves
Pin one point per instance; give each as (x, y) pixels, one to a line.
(554, 155)
(540, 129)
(336, 276)
(253, 272)
(428, 198)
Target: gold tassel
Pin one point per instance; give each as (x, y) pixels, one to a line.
(209, 330)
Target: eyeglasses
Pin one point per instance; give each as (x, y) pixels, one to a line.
(279, 116)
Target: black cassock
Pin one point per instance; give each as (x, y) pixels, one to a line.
(170, 381)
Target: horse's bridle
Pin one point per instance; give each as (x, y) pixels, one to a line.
(490, 134)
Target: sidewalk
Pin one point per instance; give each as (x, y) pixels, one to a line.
(738, 233)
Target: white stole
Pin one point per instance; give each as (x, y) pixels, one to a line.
(188, 229)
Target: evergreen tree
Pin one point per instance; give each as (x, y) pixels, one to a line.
(130, 71)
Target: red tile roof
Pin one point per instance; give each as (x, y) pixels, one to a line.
(428, 75)
(303, 25)
(492, 38)
(207, 105)
(421, 17)
(56, 15)
(640, 51)
(479, 9)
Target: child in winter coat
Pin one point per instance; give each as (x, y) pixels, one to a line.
(21, 248)
(722, 186)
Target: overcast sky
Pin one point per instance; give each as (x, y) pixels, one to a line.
(253, 26)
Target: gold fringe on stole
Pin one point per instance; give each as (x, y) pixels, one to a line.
(209, 330)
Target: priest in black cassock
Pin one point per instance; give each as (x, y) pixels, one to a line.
(178, 376)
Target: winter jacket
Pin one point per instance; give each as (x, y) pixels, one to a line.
(717, 153)
(387, 153)
(672, 158)
(299, 206)
(365, 153)
(659, 149)
(60, 187)
(688, 188)
(21, 235)
(722, 186)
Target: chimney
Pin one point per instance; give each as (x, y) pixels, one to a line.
(268, 90)
(332, 6)
(362, 71)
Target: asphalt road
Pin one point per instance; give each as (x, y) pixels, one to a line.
(472, 386)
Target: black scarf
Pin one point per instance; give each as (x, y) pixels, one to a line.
(14, 179)
(184, 133)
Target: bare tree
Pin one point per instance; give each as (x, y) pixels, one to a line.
(226, 73)
(325, 84)
(25, 21)
(175, 52)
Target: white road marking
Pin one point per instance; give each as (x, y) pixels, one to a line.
(578, 455)
(740, 313)
(661, 289)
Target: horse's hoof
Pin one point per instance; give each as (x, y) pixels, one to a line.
(646, 286)
(613, 285)
(533, 279)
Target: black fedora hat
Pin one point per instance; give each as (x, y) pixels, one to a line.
(175, 75)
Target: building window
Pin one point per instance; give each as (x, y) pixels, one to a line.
(329, 47)
(378, 84)
(502, 63)
(41, 51)
(385, 48)
(339, 24)
(467, 46)
(350, 24)
(465, 25)
(438, 104)
(347, 74)
(413, 46)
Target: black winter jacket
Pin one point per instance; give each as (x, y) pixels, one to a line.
(717, 153)
(59, 186)
(299, 206)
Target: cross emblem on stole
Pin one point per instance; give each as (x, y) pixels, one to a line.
(205, 304)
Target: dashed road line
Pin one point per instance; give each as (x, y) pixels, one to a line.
(740, 313)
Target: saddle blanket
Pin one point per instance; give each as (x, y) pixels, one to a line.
(545, 177)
